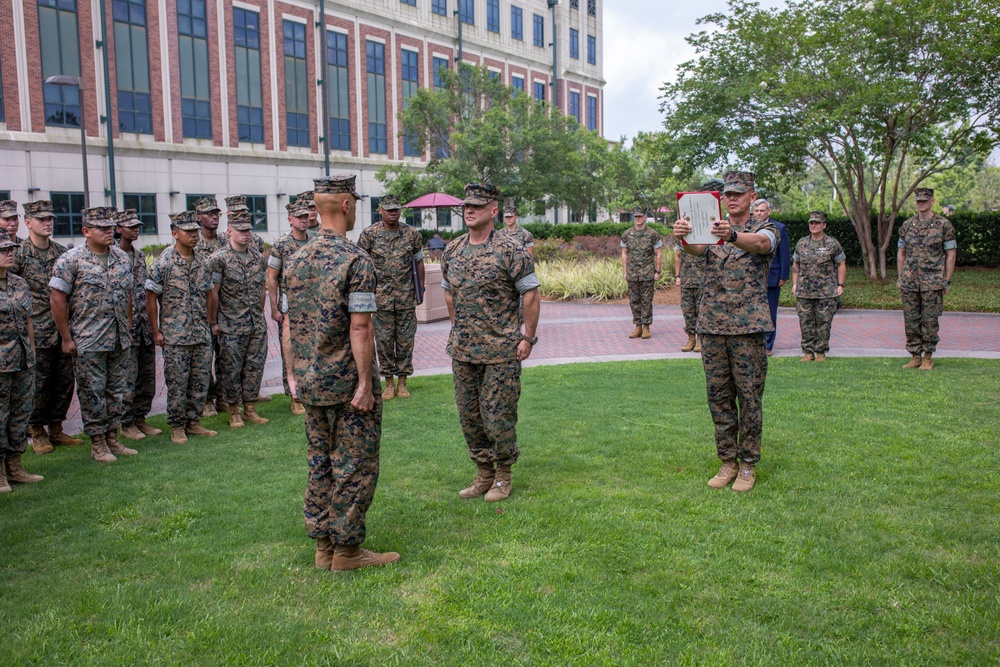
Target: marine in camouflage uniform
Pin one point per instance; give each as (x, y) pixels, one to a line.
(818, 266)
(306, 198)
(394, 248)
(178, 289)
(94, 289)
(733, 319)
(237, 204)
(330, 286)
(483, 283)
(17, 377)
(282, 250)
(54, 373)
(926, 259)
(238, 320)
(689, 275)
(642, 255)
(9, 219)
(515, 231)
(138, 399)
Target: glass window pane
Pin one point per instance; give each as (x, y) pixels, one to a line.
(201, 68)
(140, 60)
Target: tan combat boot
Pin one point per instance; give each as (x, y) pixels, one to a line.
(389, 392)
(502, 486)
(355, 558)
(250, 415)
(146, 429)
(236, 416)
(808, 356)
(209, 410)
(636, 332)
(16, 473)
(928, 363)
(401, 389)
(194, 427)
(697, 344)
(324, 553)
(40, 440)
(99, 449)
(297, 407)
(820, 357)
(915, 362)
(131, 432)
(688, 346)
(58, 438)
(727, 473)
(482, 482)
(4, 485)
(745, 479)
(263, 398)
(645, 331)
(115, 447)
(178, 436)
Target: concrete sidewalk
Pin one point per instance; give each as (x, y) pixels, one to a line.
(590, 332)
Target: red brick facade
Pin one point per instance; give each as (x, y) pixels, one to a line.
(8, 68)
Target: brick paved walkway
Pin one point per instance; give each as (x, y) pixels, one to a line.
(580, 332)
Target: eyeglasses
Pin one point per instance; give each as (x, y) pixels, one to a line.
(7, 251)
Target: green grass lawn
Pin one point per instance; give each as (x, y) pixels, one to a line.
(872, 537)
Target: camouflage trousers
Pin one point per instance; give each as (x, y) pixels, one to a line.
(640, 300)
(487, 395)
(186, 371)
(138, 399)
(343, 457)
(54, 382)
(690, 301)
(815, 318)
(243, 360)
(101, 381)
(921, 311)
(395, 331)
(16, 391)
(735, 369)
(215, 371)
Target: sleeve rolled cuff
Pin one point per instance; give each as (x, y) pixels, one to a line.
(950, 245)
(274, 263)
(529, 244)
(283, 306)
(795, 256)
(840, 258)
(418, 256)
(527, 283)
(155, 288)
(900, 244)
(770, 236)
(216, 277)
(61, 285)
(659, 244)
(361, 302)
(624, 245)
(445, 285)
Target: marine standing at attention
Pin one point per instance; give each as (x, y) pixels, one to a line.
(642, 261)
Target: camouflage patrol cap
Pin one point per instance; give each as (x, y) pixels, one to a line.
(639, 210)
(390, 203)
(128, 218)
(297, 208)
(6, 241)
(185, 221)
(236, 203)
(738, 181)
(39, 209)
(335, 185)
(100, 216)
(510, 211)
(478, 194)
(923, 194)
(207, 204)
(8, 209)
(817, 216)
(306, 197)
(241, 221)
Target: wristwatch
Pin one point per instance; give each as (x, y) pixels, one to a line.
(732, 235)
(531, 341)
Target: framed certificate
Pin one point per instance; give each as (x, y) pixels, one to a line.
(702, 210)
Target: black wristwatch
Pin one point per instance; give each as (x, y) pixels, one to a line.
(732, 235)
(531, 341)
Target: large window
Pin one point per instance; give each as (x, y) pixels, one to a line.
(411, 83)
(592, 7)
(517, 83)
(591, 112)
(249, 96)
(539, 30)
(440, 64)
(574, 4)
(376, 216)
(258, 211)
(196, 104)
(340, 93)
(296, 84)
(135, 110)
(516, 23)
(539, 91)
(412, 3)
(591, 49)
(467, 11)
(68, 207)
(145, 206)
(375, 52)
(60, 47)
(439, 7)
(493, 15)
(574, 104)
(191, 200)
(574, 43)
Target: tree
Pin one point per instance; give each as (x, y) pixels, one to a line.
(880, 94)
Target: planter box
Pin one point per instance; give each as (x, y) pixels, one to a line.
(433, 309)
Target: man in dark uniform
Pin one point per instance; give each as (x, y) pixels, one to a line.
(777, 276)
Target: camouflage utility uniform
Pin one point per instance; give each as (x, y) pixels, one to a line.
(182, 287)
(486, 282)
(282, 250)
(639, 271)
(393, 253)
(692, 274)
(326, 281)
(816, 290)
(17, 360)
(98, 298)
(138, 400)
(733, 318)
(922, 279)
(519, 234)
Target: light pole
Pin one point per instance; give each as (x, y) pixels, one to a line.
(63, 80)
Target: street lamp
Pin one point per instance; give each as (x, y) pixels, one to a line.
(63, 80)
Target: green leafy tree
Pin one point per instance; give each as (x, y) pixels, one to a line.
(862, 88)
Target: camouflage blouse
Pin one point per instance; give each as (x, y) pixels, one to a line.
(182, 288)
(925, 243)
(241, 288)
(520, 234)
(641, 244)
(818, 262)
(35, 266)
(692, 268)
(142, 334)
(99, 297)
(207, 248)
(16, 353)
(393, 253)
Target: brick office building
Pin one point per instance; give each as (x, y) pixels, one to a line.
(226, 96)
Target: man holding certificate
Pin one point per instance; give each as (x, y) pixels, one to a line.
(733, 320)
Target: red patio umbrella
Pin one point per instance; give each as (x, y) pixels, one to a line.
(434, 200)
